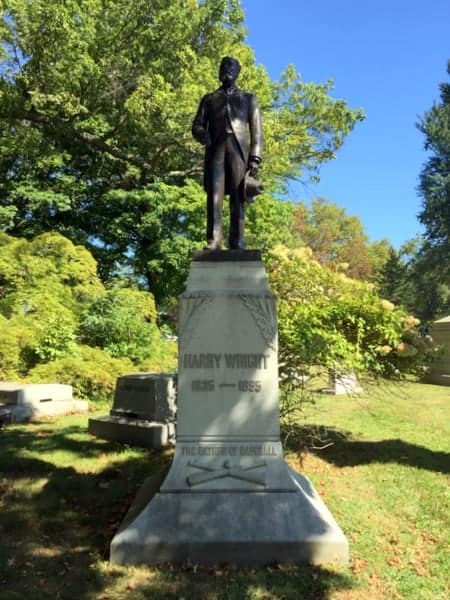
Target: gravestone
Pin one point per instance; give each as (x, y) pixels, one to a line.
(143, 412)
(343, 383)
(229, 495)
(440, 370)
(21, 402)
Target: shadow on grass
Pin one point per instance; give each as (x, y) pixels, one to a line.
(232, 583)
(338, 447)
(56, 524)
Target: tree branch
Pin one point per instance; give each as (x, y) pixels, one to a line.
(100, 144)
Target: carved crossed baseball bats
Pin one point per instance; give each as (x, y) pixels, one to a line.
(226, 471)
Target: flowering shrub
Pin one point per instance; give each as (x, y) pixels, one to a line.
(329, 320)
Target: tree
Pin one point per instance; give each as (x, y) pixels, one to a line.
(425, 291)
(392, 278)
(44, 283)
(53, 306)
(408, 280)
(121, 321)
(113, 138)
(434, 185)
(337, 239)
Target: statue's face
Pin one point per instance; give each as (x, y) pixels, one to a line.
(229, 70)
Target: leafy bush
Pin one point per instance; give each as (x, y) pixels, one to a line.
(51, 298)
(15, 340)
(164, 358)
(340, 324)
(120, 322)
(91, 371)
(43, 286)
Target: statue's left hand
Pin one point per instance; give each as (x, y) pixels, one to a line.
(253, 166)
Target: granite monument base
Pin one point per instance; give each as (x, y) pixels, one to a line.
(143, 413)
(256, 528)
(229, 496)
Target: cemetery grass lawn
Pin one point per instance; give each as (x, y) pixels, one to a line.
(380, 461)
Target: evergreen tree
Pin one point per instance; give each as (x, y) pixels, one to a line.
(392, 278)
(435, 183)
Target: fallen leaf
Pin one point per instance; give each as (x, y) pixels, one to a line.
(394, 561)
(358, 564)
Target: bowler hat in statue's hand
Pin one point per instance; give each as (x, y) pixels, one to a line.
(252, 187)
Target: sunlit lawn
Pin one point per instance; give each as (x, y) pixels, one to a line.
(381, 462)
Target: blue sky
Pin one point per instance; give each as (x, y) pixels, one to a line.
(385, 56)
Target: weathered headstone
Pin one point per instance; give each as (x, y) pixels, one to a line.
(143, 413)
(343, 383)
(440, 369)
(23, 401)
(229, 496)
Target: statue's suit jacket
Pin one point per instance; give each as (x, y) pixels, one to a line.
(238, 109)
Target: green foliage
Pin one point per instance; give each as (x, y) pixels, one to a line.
(105, 155)
(120, 323)
(410, 279)
(90, 371)
(330, 321)
(164, 358)
(45, 276)
(51, 300)
(435, 177)
(54, 338)
(43, 285)
(269, 223)
(392, 278)
(305, 126)
(338, 240)
(150, 231)
(429, 269)
(16, 341)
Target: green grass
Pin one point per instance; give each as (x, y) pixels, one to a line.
(380, 461)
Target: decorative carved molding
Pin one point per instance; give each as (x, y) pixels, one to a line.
(190, 312)
(262, 309)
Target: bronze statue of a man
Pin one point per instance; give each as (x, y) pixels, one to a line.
(224, 122)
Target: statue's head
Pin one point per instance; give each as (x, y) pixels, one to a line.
(229, 70)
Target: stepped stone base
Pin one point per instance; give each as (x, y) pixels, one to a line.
(240, 528)
(229, 496)
(135, 432)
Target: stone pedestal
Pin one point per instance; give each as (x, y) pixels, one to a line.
(143, 413)
(229, 496)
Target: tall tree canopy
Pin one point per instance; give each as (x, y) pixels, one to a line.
(435, 179)
(96, 101)
(338, 240)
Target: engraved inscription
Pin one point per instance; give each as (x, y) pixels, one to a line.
(203, 385)
(211, 360)
(246, 361)
(202, 361)
(249, 386)
(237, 450)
